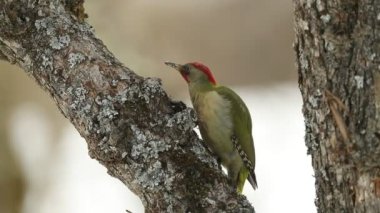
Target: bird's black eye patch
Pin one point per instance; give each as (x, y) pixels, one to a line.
(186, 70)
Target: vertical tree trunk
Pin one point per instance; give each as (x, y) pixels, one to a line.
(337, 46)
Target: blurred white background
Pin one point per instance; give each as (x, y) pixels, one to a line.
(44, 164)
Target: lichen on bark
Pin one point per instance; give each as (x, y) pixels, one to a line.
(130, 124)
(337, 60)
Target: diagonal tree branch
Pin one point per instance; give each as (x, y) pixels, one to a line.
(130, 125)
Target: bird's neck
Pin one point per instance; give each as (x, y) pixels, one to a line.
(200, 88)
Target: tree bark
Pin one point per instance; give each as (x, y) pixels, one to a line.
(131, 126)
(338, 59)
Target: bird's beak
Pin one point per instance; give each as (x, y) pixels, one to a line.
(174, 65)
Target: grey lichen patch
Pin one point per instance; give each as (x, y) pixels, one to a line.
(75, 58)
(310, 139)
(339, 175)
(114, 82)
(124, 154)
(372, 56)
(47, 25)
(329, 197)
(154, 177)
(204, 155)
(320, 117)
(326, 18)
(153, 84)
(359, 81)
(107, 110)
(210, 201)
(47, 62)
(303, 25)
(171, 175)
(198, 150)
(309, 3)
(27, 62)
(184, 120)
(60, 42)
(315, 99)
(150, 88)
(40, 24)
(80, 107)
(127, 94)
(146, 144)
(85, 27)
(105, 147)
(56, 6)
(320, 5)
(323, 174)
(169, 198)
(78, 95)
(304, 62)
(101, 123)
(40, 13)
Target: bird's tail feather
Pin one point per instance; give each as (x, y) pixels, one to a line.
(252, 180)
(247, 163)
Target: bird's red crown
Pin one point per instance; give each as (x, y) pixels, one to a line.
(205, 70)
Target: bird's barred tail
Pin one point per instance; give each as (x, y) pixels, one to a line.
(247, 163)
(252, 180)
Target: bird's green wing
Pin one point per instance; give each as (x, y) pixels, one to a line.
(242, 128)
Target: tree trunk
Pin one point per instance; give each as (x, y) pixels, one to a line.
(131, 126)
(338, 59)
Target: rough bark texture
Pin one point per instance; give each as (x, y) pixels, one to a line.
(131, 126)
(338, 57)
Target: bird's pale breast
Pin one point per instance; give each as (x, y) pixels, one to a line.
(214, 113)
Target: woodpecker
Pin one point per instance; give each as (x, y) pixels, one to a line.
(224, 122)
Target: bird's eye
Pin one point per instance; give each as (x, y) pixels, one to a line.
(186, 70)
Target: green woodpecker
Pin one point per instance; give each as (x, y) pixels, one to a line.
(224, 122)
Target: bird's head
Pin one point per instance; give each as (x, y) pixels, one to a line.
(194, 72)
